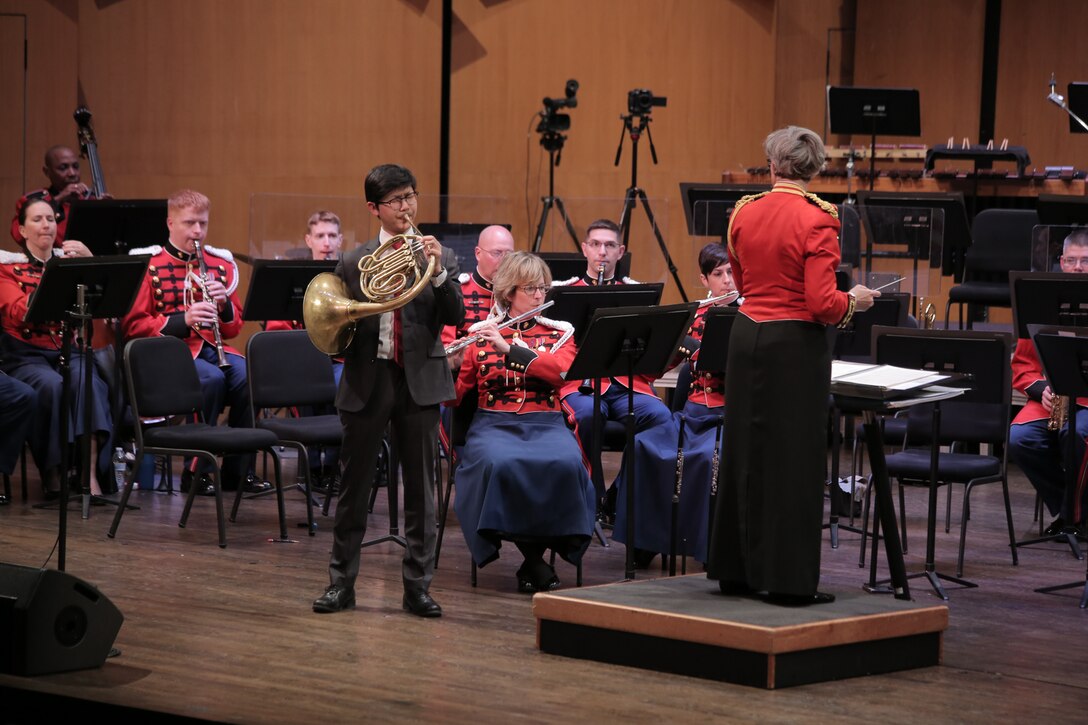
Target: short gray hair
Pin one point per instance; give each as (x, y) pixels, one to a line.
(797, 152)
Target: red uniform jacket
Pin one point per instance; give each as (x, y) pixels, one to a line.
(643, 383)
(784, 248)
(526, 379)
(160, 303)
(1029, 379)
(19, 277)
(706, 388)
(478, 295)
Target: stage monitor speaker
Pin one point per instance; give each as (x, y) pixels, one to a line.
(51, 621)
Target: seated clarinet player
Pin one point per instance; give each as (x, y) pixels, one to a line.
(603, 251)
(31, 354)
(1039, 433)
(522, 476)
(657, 450)
(191, 292)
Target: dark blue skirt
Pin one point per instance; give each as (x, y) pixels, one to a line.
(521, 478)
(655, 481)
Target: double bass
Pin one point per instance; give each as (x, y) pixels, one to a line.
(88, 148)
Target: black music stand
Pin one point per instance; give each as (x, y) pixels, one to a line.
(278, 286)
(564, 265)
(74, 291)
(1065, 360)
(461, 237)
(707, 207)
(956, 236)
(1062, 210)
(576, 305)
(624, 342)
(874, 112)
(713, 353)
(114, 226)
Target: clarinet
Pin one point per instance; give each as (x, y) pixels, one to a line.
(600, 274)
(674, 531)
(714, 467)
(204, 290)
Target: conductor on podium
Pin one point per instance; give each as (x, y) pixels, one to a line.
(784, 248)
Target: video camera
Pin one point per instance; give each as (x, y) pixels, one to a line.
(640, 101)
(552, 122)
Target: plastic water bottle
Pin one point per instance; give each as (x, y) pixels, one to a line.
(119, 468)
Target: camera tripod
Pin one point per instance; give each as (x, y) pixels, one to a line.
(553, 142)
(634, 124)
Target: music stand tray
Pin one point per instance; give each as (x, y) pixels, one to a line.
(623, 342)
(114, 226)
(577, 304)
(111, 282)
(714, 348)
(278, 287)
(1055, 299)
(874, 111)
(564, 265)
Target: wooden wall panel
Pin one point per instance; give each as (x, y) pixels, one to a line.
(237, 98)
(52, 39)
(932, 45)
(807, 32)
(713, 60)
(1037, 39)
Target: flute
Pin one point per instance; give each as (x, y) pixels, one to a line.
(727, 298)
(471, 339)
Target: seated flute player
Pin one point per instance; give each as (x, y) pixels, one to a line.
(657, 450)
(522, 476)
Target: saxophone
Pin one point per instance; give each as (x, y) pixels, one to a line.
(1059, 411)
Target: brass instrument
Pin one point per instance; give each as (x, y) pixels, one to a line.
(385, 280)
(600, 274)
(1059, 411)
(472, 339)
(221, 356)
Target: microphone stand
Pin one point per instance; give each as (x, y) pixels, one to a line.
(1058, 100)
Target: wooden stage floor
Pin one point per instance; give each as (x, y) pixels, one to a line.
(228, 635)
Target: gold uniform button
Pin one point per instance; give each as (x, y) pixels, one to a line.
(159, 305)
(155, 280)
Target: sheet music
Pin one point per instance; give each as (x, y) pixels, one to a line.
(887, 377)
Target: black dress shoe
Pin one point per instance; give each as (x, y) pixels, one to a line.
(799, 600)
(643, 558)
(421, 604)
(1055, 528)
(252, 484)
(336, 598)
(734, 588)
(204, 484)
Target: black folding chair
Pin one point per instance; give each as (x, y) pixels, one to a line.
(285, 370)
(163, 386)
(979, 417)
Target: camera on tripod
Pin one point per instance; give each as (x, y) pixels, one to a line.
(641, 101)
(550, 120)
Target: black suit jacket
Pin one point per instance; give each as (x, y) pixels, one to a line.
(425, 367)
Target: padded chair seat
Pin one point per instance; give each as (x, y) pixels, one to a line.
(210, 438)
(914, 464)
(980, 292)
(310, 430)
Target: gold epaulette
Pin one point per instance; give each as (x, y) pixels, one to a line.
(736, 207)
(825, 205)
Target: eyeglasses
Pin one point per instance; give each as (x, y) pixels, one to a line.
(533, 289)
(1075, 261)
(495, 253)
(607, 246)
(398, 201)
